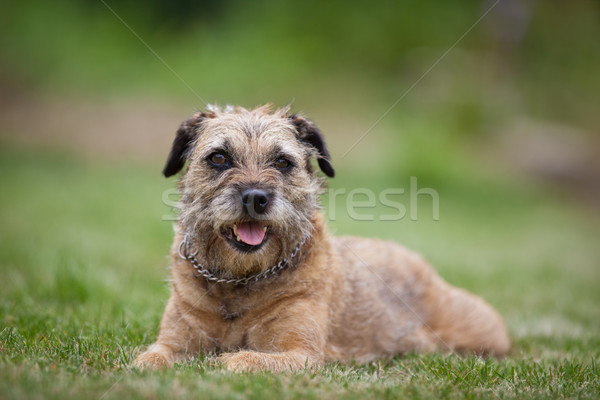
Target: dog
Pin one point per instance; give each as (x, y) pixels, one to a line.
(258, 280)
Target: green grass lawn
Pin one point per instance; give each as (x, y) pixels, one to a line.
(83, 257)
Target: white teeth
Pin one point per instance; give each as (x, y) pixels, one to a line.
(237, 237)
(265, 228)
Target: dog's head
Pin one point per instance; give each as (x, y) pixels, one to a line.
(249, 192)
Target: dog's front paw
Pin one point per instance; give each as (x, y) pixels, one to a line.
(156, 357)
(243, 361)
(150, 360)
(253, 361)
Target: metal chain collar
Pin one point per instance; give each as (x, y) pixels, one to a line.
(275, 269)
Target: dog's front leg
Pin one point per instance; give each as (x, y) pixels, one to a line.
(290, 341)
(179, 337)
(249, 360)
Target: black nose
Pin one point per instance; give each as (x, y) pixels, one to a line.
(255, 201)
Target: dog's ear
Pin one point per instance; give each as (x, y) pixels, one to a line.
(182, 145)
(309, 133)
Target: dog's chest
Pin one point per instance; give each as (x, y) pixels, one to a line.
(230, 313)
(237, 328)
(239, 317)
(230, 324)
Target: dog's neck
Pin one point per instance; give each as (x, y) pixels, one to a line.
(204, 272)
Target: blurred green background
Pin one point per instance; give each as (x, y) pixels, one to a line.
(512, 82)
(494, 104)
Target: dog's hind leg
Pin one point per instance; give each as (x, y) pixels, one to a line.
(464, 322)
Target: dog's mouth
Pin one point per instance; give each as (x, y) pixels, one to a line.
(247, 236)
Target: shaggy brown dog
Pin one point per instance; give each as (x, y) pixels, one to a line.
(257, 277)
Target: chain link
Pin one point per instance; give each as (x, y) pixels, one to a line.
(275, 269)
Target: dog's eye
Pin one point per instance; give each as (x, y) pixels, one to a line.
(219, 159)
(282, 164)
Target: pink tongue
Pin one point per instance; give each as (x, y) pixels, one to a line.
(251, 233)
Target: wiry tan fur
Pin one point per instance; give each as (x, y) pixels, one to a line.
(343, 298)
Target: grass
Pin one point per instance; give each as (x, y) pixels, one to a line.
(83, 259)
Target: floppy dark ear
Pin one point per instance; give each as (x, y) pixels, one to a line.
(309, 133)
(184, 138)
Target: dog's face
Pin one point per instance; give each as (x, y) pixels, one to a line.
(249, 192)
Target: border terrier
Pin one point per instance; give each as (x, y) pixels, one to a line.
(257, 279)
